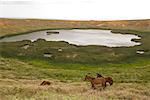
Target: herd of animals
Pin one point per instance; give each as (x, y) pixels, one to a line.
(95, 81)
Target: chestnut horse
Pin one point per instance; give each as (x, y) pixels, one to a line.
(108, 79)
(96, 81)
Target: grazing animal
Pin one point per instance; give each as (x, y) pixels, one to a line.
(96, 81)
(108, 79)
(45, 83)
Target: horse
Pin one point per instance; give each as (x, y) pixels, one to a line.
(96, 81)
(108, 79)
(45, 83)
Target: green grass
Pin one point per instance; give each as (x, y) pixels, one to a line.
(94, 55)
(36, 69)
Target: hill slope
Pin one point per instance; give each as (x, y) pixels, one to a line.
(16, 26)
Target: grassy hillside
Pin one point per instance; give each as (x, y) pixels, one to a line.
(16, 26)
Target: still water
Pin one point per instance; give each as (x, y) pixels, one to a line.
(79, 37)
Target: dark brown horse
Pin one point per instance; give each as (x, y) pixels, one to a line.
(108, 79)
(45, 83)
(96, 81)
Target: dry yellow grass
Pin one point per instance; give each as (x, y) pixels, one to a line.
(30, 89)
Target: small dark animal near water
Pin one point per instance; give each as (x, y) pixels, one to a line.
(45, 83)
(96, 81)
(108, 79)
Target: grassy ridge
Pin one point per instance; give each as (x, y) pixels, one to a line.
(19, 26)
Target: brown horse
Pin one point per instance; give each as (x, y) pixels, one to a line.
(45, 83)
(96, 81)
(108, 79)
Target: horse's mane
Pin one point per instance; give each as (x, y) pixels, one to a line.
(99, 75)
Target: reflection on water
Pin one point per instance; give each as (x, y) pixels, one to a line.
(80, 37)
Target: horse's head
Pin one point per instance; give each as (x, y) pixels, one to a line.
(99, 75)
(86, 78)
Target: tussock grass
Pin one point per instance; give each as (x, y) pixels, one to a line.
(30, 89)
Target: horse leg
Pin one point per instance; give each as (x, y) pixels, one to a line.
(104, 85)
(93, 86)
